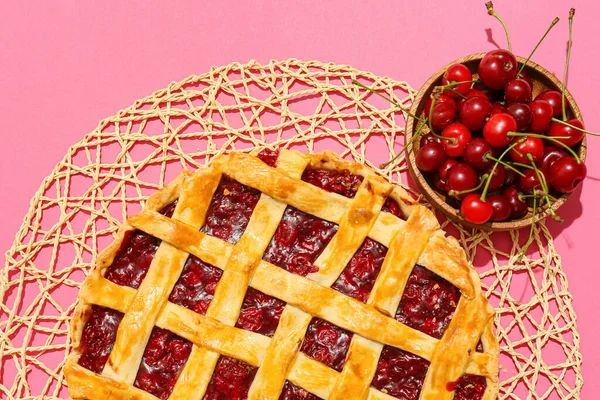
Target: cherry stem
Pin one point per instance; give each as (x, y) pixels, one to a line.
(574, 127)
(490, 9)
(458, 94)
(357, 83)
(553, 139)
(487, 183)
(452, 84)
(569, 44)
(554, 22)
(518, 164)
(456, 193)
(491, 157)
(415, 136)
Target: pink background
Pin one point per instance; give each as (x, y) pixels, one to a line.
(65, 66)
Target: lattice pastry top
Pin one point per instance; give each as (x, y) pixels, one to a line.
(282, 276)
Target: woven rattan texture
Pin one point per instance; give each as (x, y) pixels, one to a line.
(309, 106)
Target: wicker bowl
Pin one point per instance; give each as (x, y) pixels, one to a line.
(542, 80)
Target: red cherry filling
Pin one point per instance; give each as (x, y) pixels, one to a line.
(163, 360)
(131, 263)
(293, 392)
(428, 302)
(358, 278)
(230, 210)
(469, 387)
(98, 337)
(260, 312)
(400, 373)
(326, 343)
(340, 182)
(298, 241)
(269, 157)
(196, 285)
(231, 380)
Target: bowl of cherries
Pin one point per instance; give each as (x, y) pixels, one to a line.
(495, 141)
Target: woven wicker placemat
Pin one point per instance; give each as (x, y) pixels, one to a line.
(309, 106)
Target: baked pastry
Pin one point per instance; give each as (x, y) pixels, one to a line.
(282, 276)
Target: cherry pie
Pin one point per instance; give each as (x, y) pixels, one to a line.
(282, 276)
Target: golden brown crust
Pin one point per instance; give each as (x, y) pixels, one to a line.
(418, 239)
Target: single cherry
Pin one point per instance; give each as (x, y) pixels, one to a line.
(574, 135)
(553, 97)
(522, 114)
(551, 155)
(519, 207)
(530, 181)
(501, 208)
(443, 113)
(496, 68)
(533, 146)
(443, 170)
(430, 157)
(476, 152)
(457, 73)
(474, 111)
(517, 91)
(461, 135)
(566, 174)
(461, 177)
(475, 210)
(496, 129)
(439, 183)
(541, 112)
(497, 178)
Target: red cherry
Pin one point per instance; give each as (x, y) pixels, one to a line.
(429, 138)
(541, 112)
(442, 115)
(496, 68)
(529, 181)
(551, 155)
(566, 174)
(476, 152)
(474, 111)
(457, 73)
(461, 135)
(501, 208)
(430, 157)
(574, 135)
(553, 97)
(497, 108)
(522, 114)
(525, 75)
(519, 207)
(517, 91)
(533, 146)
(496, 129)
(461, 177)
(497, 178)
(443, 170)
(475, 210)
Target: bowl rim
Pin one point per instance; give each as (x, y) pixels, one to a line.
(434, 197)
